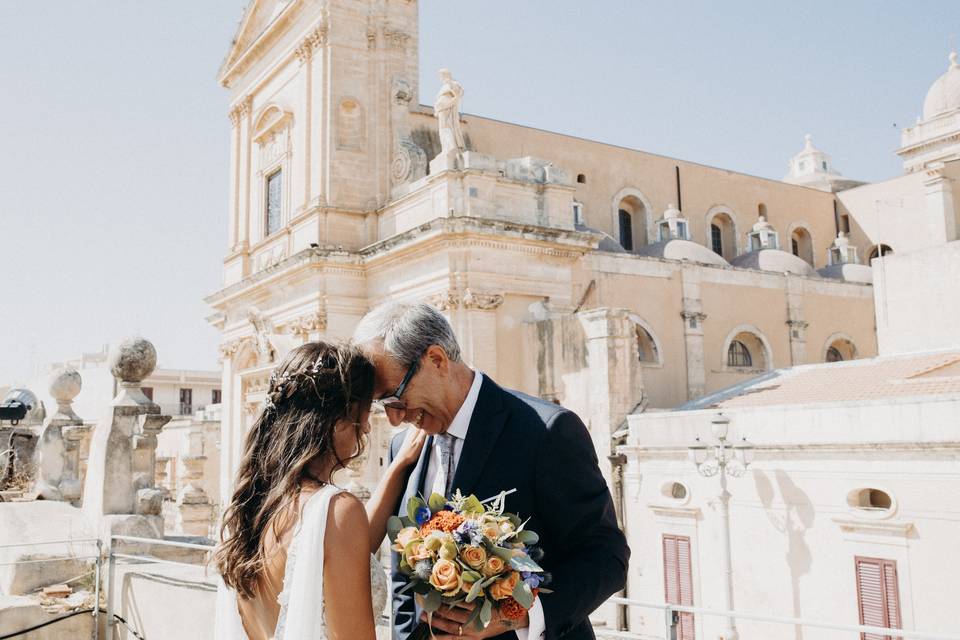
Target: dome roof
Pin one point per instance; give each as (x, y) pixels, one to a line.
(35, 409)
(774, 260)
(848, 272)
(607, 243)
(944, 94)
(677, 249)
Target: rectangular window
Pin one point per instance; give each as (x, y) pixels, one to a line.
(716, 239)
(577, 213)
(678, 580)
(273, 201)
(845, 223)
(878, 596)
(148, 391)
(186, 401)
(216, 397)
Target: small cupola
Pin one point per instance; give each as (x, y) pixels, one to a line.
(763, 236)
(842, 252)
(672, 226)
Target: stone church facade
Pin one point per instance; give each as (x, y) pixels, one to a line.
(607, 279)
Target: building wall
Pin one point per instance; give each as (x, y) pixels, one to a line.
(610, 170)
(794, 534)
(915, 312)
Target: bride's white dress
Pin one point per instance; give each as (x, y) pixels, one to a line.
(301, 601)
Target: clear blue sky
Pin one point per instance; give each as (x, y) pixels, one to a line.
(113, 164)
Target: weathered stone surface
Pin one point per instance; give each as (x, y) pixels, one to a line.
(21, 612)
(133, 359)
(39, 522)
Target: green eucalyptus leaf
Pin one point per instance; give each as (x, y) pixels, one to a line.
(489, 581)
(471, 504)
(524, 563)
(436, 503)
(515, 520)
(474, 618)
(486, 613)
(469, 575)
(523, 595)
(431, 601)
(394, 525)
(503, 554)
(412, 505)
(528, 537)
(475, 590)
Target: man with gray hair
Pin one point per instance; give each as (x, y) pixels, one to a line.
(483, 440)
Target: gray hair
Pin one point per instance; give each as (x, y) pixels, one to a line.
(407, 329)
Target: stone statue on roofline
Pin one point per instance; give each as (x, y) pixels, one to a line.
(447, 111)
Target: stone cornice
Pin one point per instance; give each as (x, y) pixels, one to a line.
(238, 61)
(881, 527)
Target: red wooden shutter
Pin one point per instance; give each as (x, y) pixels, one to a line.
(678, 580)
(878, 595)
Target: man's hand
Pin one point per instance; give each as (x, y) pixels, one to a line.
(453, 622)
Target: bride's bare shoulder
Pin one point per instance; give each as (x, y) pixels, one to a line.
(347, 524)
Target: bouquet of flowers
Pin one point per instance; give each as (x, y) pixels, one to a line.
(461, 551)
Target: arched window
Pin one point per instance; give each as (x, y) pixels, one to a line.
(801, 245)
(738, 355)
(747, 349)
(762, 210)
(879, 251)
(839, 349)
(646, 347)
(716, 239)
(581, 178)
(626, 229)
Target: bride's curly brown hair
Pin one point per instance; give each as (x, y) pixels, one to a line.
(315, 387)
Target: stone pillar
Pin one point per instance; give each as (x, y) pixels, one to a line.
(194, 510)
(56, 457)
(795, 322)
(122, 464)
(693, 318)
(616, 385)
(479, 319)
(941, 213)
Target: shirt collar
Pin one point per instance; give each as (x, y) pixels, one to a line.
(461, 422)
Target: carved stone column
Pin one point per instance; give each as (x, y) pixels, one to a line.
(796, 325)
(943, 216)
(57, 458)
(120, 478)
(693, 318)
(480, 323)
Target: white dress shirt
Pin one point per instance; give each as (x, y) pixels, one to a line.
(458, 428)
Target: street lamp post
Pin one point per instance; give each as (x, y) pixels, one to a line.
(723, 459)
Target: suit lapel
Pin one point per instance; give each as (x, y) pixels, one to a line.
(488, 420)
(417, 477)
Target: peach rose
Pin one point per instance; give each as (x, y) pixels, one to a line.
(415, 552)
(404, 537)
(504, 587)
(491, 530)
(474, 557)
(446, 577)
(494, 565)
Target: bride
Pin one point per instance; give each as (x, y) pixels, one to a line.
(295, 555)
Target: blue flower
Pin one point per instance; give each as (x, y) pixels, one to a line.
(532, 580)
(423, 514)
(468, 533)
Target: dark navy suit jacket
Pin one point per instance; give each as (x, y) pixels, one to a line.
(544, 451)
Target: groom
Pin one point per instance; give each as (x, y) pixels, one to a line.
(484, 440)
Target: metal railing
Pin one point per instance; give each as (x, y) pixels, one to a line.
(672, 612)
(113, 556)
(98, 568)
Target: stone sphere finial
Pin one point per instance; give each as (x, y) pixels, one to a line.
(132, 360)
(65, 385)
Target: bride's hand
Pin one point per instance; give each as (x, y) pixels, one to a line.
(412, 445)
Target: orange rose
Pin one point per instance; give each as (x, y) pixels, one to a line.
(493, 566)
(446, 577)
(503, 588)
(474, 557)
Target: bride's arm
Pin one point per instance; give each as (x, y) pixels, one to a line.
(388, 491)
(346, 572)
